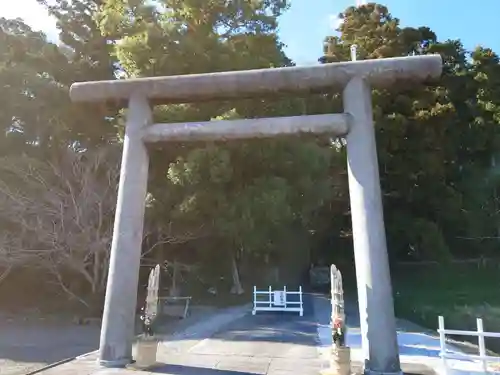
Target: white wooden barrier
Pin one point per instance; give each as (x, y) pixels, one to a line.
(479, 333)
(277, 300)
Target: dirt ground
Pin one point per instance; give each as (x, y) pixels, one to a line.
(33, 331)
(28, 342)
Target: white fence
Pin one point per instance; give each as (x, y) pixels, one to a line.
(277, 300)
(482, 358)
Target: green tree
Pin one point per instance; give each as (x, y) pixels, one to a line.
(41, 147)
(29, 71)
(89, 58)
(245, 195)
(429, 137)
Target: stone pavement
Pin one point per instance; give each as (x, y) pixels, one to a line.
(233, 343)
(236, 343)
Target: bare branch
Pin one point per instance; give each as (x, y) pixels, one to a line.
(58, 216)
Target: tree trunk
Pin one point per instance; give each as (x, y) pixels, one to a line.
(237, 288)
(174, 289)
(495, 195)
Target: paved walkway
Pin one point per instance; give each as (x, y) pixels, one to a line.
(237, 343)
(232, 343)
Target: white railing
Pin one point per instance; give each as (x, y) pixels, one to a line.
(277, 300)
(479, 333)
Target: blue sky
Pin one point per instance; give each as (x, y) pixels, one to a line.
(305, 25)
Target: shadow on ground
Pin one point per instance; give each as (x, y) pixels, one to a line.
(191, 370)
(45, 343)
(274, 327)
(271, 327)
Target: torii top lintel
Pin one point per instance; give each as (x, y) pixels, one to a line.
(261, 82)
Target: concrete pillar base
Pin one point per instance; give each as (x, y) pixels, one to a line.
(115, 364)
(146, 352)
(371, 372)
(340, 362)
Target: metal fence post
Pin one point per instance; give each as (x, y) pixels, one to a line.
(482, 346)
(442, 343)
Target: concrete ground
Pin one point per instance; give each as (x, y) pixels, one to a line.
(26, 345)
(231, 343)
(28, 342)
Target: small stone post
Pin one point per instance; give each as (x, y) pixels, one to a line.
(354, 52)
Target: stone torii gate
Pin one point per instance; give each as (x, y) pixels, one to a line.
(355, 79)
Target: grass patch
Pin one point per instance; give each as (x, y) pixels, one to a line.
(459, 292)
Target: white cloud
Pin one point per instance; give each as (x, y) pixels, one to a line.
(335, 22)
(32, 13)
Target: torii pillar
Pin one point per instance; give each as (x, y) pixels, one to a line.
(355, 79)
